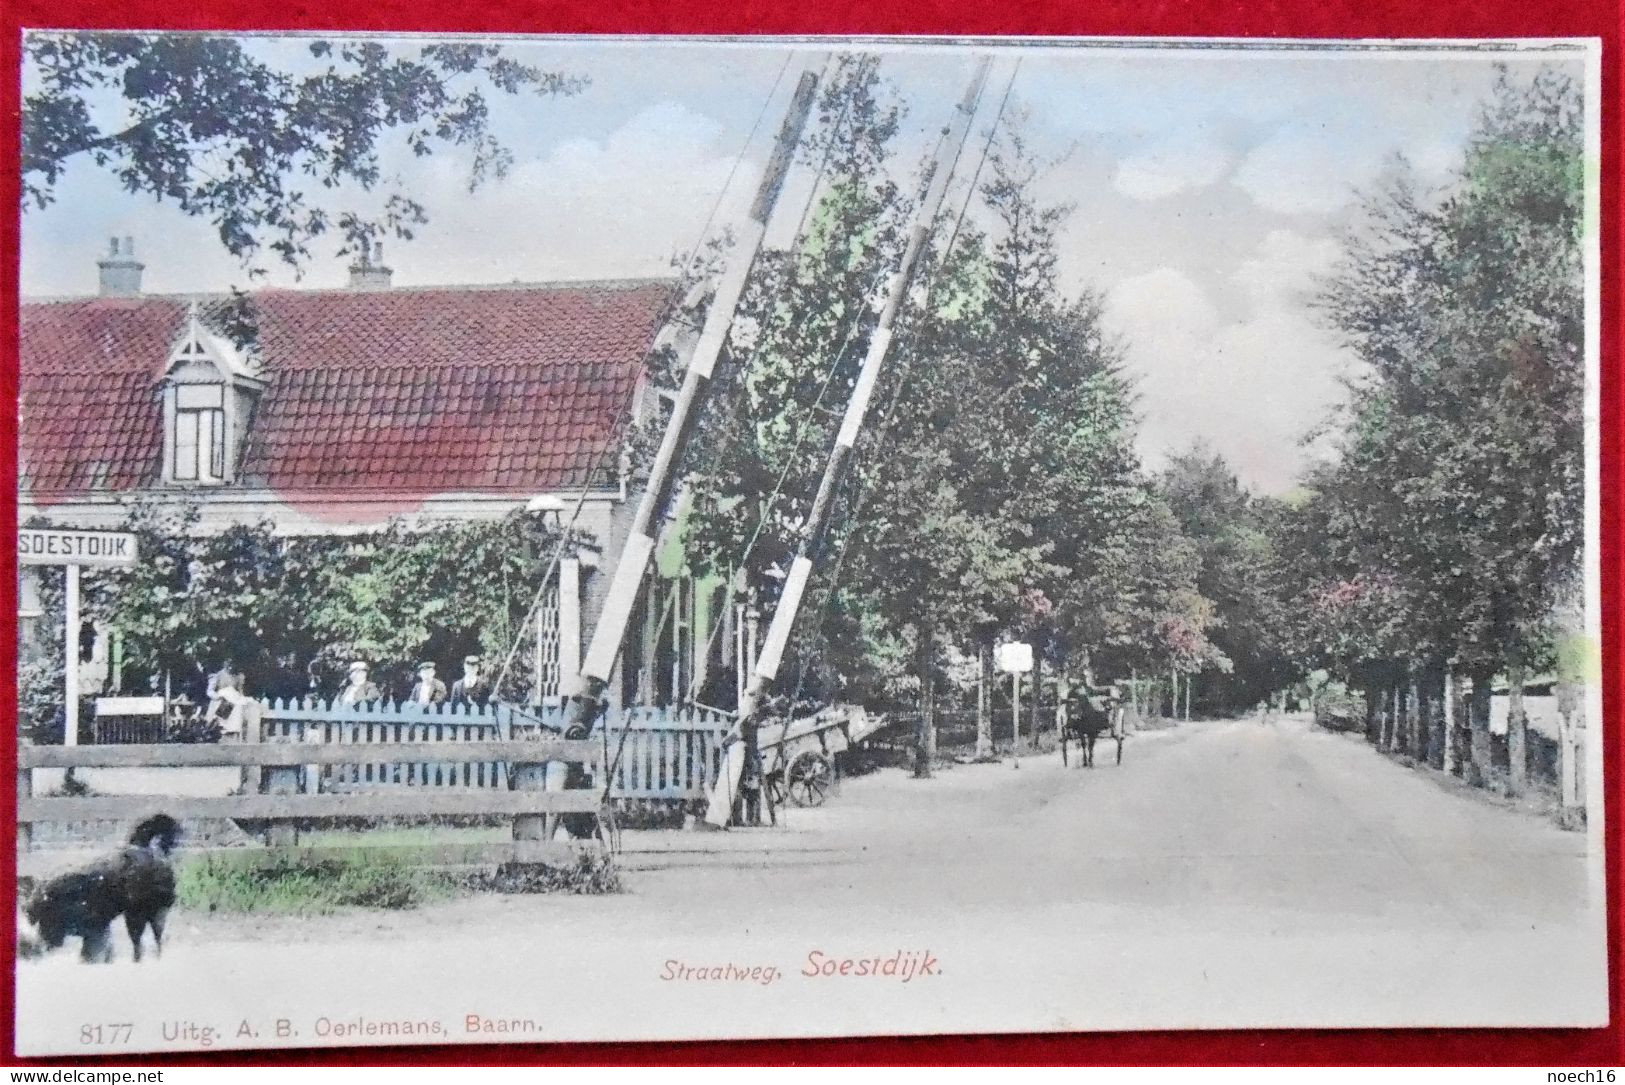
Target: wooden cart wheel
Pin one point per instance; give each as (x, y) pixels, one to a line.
(809, 777)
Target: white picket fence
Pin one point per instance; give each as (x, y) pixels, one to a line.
(666, 754)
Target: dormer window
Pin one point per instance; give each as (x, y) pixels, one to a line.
(209, 392)
(200, 433)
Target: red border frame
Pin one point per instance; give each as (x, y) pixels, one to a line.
(1193, 18)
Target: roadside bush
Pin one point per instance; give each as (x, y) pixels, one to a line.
(39, 703)
(592, 875)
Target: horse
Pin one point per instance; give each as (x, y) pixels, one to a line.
(1085, 722)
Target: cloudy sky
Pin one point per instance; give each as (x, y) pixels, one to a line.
(1209, 186)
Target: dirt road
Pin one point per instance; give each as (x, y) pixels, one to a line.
(1226, 874)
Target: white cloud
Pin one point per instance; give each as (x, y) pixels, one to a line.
(1283, 271)
(1302, 170)
(1171, 166)
(1302, 173)
(616, 207)
(1249, 386)
(619, 206)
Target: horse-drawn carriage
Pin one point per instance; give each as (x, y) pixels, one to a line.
(1090, 713)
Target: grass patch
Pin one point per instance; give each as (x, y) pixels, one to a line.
(287, 887)
(299, 887)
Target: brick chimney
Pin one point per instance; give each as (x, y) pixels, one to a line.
(369, 272)
(120, 270)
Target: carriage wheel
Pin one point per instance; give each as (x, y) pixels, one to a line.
(809, 777)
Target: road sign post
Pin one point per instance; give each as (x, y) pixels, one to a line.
(73, 550)
(70, 656)
(1016, 659)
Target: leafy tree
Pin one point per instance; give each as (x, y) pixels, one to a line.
(289, 611)
(436, 592)
(1227, 526)
(194, 600)
(218, 128)
(792, 358)
(1460, 479)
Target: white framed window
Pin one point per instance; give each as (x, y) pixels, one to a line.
(200, 433)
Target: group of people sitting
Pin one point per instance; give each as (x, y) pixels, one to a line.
(474, 687)
(229, 703)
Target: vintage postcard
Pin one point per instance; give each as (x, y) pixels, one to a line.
(540, 538)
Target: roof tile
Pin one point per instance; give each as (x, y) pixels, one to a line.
(409, 391)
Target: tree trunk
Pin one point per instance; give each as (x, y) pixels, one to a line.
(1438, 719)
(925, 731)
(1570, 690)
(1173, 693)
(1517, 733)
(1063, 692)
(1390, 711)
(1455, 725)
(1404, 707)
(1373, 710)
(1568, 768)
(1187, 698)
(1415, 739)
(1478, 724)
(1134, 689)
(1038, 696)
(984, 704)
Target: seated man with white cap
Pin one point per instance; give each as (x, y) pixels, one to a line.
(359, 689)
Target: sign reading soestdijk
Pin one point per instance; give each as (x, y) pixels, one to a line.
(46, 546)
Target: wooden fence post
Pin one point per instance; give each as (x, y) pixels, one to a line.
(530, 777)
(535, 776)
(25, 790)
(275, 780)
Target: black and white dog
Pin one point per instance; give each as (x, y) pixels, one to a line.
(136, 882)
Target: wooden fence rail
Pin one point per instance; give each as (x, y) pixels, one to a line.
(304, 760)
(285, 798)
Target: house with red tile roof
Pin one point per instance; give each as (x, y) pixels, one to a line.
(351, 407)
